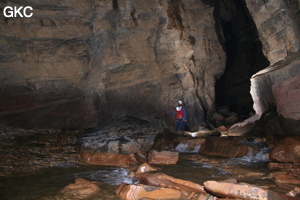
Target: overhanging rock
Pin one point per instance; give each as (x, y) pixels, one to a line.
(279, 85)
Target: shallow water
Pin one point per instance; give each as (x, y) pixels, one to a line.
(193, 167)
(48, 182)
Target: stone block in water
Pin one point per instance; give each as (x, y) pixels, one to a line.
(163, 157)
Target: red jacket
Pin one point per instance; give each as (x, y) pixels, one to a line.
(180, 112)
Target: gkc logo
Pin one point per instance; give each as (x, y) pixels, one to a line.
(15, 11)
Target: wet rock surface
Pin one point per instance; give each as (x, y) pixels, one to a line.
(163, 180)
(172, 141)
(230, 169)
(287, 150)
(125, 137)
(216, 146)
(279, 85)
(32, 150)
(145, 168)
(163, 157)
(108, 159)
(133, 192)
(243, 191)
(121, 144)
(229, 189)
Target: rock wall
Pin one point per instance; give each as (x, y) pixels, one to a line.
(43, 62)
(148, 55)
(279, 85)
(86, 63)
(278, 24)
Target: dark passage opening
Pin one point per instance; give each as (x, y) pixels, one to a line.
(115, 4)
(244, 56)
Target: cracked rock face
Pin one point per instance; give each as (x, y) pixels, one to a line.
(126, 137)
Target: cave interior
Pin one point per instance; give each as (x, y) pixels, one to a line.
(244, 58)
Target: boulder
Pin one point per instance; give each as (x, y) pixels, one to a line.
(134, 192)
(279, 85)
(287, 95)
(125, 137)
(145, 168)
(231, 119)
(223, 130)
(218, 117)
(243, 128)
(295, 192)
(107, 159)
(286, 179)
(120, 144)
(163, 180)
(243, 191)
(224, 147)
(292, 169)
(81, 187)
(163, 157)
(287, 150)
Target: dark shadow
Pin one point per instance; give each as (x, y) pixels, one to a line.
(244, 55)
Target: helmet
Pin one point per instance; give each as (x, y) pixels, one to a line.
(180, 102)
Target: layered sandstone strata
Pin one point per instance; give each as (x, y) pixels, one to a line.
(84, 64)
(81, 64)
(278, 26)
(44, 60)
(279, 85)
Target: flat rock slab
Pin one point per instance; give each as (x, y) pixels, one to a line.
(108, 159)
(163, 157)
(242, 191)
(125, 137)
(216, 146)
(133, 192)
(163, 180)
(287, 150)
